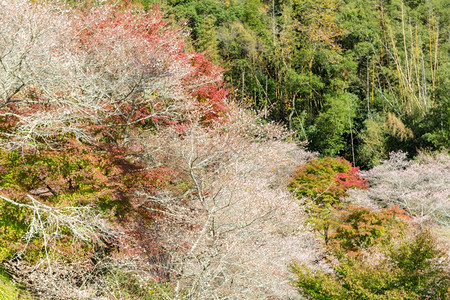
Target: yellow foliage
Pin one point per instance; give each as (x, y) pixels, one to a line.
(396, 127)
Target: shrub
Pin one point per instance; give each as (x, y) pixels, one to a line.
(423, 267)
(325, 180)
(366, 262)
(414, 270)
(359, 228)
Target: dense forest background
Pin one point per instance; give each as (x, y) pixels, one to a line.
(355, 78)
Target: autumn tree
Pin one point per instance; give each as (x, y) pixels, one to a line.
(102, 68)
(124, 171)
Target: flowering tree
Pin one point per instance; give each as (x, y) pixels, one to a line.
(421, 187)
(233, 224)
(145, 182)
(64, 70)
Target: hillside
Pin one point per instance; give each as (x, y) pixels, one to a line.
(135, 165)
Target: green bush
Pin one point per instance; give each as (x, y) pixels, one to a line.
(10, 291)
(423, 268)
(322, 183)
(325, 180)
(357, 228)
(366, 262)
(414, 270)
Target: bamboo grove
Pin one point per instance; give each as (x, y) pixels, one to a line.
(355, 78)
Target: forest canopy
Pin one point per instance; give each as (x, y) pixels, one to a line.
(355, 78)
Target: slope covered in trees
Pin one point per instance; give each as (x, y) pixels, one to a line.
(123, 171)
(133, 164)
(355, 78)
(382, 242)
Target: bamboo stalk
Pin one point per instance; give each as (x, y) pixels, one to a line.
(404, 45)
(436, 65)
(415, 52)
(368, 86)
(373, 79)
(430, 39)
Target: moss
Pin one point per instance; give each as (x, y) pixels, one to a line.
(10, 291)
(12, 228)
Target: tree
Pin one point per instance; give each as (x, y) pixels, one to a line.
(418, 186)
(126, 127)
(411, 270)
(335, 121)
(103, 67)
(235, 222)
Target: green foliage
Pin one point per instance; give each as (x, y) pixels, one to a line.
(207, 39)
(323, 183)
(357, 228)
(82, 175)
(319, 180)
(334, 71)
(316, 284)
(79, 176)
(368, 260)
(30, 171)
(422, 267)
(434, 128)
(413, 270)
(10, 291)
(372, 148)
(335, 120)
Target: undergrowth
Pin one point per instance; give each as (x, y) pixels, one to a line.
(374, 254)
